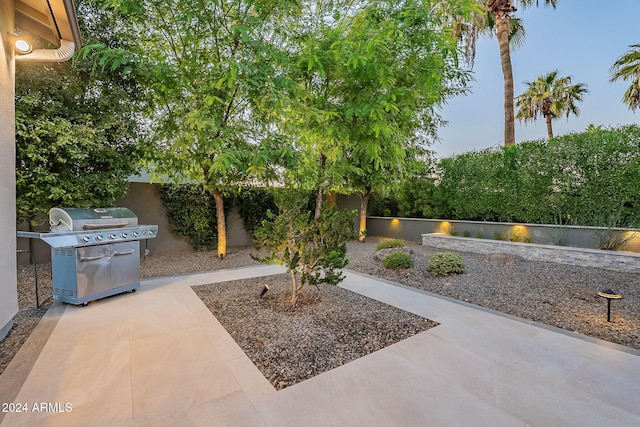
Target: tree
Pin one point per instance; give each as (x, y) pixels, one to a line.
(77, 134)
(371, 81)
(211, 73)
(313, 119)
(498, 18)
(399, 64)
(627, 67)
(501, 11)
(550, 96)
(312, 249)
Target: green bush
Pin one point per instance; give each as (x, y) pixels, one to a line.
(381, 205)
(253, 204)
(580, 178)
(389, 243)
(419, 197)
(397, 260)
(445, 264)
(499, 236)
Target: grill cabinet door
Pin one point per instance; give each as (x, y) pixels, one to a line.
(93, 269)
(125, 264)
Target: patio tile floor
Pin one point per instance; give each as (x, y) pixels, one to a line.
(159, 357)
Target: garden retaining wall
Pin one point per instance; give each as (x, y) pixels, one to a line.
(546, 234)
(609, 260)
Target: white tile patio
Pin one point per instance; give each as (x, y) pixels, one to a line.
(159, 357)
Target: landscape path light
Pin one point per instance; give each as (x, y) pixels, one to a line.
(609, 295)
(264, 290)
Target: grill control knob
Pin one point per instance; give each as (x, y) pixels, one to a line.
(99, 238)
(112, 236)
(124, 235)
(134, 234)
(86, 239)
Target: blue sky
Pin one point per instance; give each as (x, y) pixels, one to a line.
(580, 38)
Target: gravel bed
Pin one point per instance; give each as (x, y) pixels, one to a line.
(326, 328)
(171, 264)
(554, 294)
(28, 315)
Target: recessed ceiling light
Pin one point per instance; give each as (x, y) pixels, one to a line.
(23, 47)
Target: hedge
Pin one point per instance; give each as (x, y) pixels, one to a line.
(589, 178)
(191, 210)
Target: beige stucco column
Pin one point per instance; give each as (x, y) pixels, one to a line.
(8, 287)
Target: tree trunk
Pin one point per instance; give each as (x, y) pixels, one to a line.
(316, 215)
(294, 290)
(364, 201)
(323, 162)
(548, 117)
(222, 226)
(502, 23)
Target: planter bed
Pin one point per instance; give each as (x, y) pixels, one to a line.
(609, 260)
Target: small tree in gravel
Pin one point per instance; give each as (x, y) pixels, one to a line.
(312, 249)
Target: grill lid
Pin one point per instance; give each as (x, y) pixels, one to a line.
(76, 219)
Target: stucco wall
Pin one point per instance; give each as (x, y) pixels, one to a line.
(144, 201)
(400, 228)
(8, 286)
(573, 236)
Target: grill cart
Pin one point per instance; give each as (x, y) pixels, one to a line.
(95, 253)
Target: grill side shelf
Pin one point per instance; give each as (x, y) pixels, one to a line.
(55, 240)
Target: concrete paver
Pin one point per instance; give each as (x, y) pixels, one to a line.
(159, 357)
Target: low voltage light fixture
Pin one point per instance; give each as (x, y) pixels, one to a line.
(609, 295)
(264, 290)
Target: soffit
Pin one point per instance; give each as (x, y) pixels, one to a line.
(51, 20)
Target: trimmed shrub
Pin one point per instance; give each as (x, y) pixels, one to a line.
(398, 260)
(389, 243)
(580, 178)
(253, 205)
(445, 264)
(380, 205)
(419, 197)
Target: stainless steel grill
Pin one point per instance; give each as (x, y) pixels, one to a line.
(95, 253)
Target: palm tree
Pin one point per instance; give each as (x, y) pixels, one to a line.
(497, 17)
(627, 67)
(550, 96)
(501, 12)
